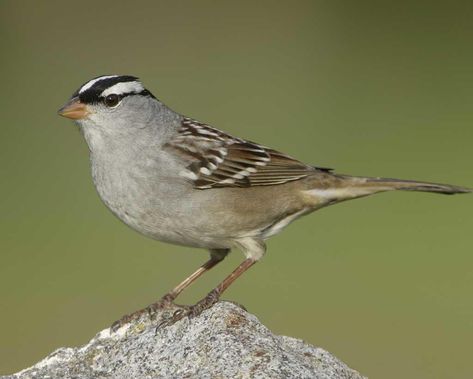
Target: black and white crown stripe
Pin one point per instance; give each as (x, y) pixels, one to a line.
(102, 86)
(124, 88)
(91, 83)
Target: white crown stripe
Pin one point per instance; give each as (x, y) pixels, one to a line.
(89, 84)
(122, 88)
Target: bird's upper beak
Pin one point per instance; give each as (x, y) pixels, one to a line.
(74, 109)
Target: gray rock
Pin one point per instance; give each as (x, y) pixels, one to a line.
(224, 342)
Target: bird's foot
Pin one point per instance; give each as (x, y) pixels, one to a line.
(192, 311)
(165, 302)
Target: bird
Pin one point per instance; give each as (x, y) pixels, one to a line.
(181, 181)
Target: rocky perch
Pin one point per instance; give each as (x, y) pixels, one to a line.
(223, 342)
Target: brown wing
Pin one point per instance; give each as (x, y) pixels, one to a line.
(215, 159)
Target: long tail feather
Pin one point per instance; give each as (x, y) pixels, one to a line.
(336, 188)
(387, 184)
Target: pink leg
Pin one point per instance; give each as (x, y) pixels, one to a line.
(212, 297)
(216, 256)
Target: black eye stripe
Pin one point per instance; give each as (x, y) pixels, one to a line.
(122, 95)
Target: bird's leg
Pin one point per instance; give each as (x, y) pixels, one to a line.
(216, 256)
(212, 297)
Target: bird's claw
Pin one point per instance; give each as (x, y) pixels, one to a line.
(176, 316)
(150, 311)
(190, 312)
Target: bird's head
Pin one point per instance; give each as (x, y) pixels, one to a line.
(109, 101)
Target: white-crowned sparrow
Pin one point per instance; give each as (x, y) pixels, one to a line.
(181, 181)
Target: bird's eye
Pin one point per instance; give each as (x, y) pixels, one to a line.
(111, 100)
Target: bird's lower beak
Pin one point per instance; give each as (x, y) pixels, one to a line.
(74, 109)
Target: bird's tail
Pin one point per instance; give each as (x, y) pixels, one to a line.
(344, 187)
(386, 184)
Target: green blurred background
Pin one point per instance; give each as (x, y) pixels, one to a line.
(369, 88)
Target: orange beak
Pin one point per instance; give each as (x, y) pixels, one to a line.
(74, 109)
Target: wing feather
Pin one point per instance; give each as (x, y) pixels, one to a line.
(216, 159)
